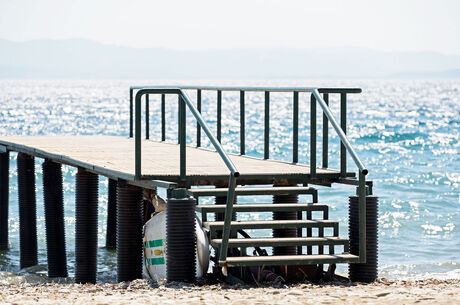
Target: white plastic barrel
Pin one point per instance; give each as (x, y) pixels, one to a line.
(155, 248)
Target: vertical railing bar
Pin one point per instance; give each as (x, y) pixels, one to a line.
(147, 119)
(163, 117)
(137, 139)
(178, 119)
(362, 217)
(198, 127)
(343, 125)
(267, 126)
(131, 113)
(325, 133)
(295, 128)
(219, 115)
(312, 136)
(182, 138)
(242, 124)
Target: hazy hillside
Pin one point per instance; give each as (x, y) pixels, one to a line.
(79, 58)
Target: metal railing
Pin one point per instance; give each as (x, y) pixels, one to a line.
(185, 101)
(315, 98)
(267, 90)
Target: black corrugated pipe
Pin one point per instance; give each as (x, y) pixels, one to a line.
(222, 200)
(27, 210)
(54, 219)
(86, 227)
(291, 232)
(4, 191)
(129, 233)
(364, 272)
(180, 240)
(111, 237)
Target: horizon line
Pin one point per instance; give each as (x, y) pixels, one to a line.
(111, 44)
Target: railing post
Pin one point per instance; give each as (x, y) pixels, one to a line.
(362, 217)
(295, 128)
(219, 115)
(163, 117)
(137, 140)
(182, 138)
(325, 133)
(242, 124)
(312, 136)
(178, 119)
(130, 112)
(147, 132)
(198, 127)
(343, 125)
(267, 126)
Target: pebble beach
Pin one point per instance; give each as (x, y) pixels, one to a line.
(145, 292)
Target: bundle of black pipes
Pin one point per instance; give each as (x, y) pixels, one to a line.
(129, 232)
(181, 240)
(364, 272)
(86, 227)
(27, 210)
(54, 219)
(4, 190)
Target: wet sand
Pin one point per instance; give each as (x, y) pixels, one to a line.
(144, 292)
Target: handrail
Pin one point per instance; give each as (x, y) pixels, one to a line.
(234, 174)
(339, 131)
(362, 173)
(165, 90)
(211, 137)
(255, 88)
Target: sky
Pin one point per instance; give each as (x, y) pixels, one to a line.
(402, 25)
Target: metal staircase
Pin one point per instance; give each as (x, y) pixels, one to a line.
(330, 241)
(224, 233)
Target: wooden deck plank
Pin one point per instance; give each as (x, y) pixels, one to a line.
(114, 156)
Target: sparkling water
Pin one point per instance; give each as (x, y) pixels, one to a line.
(406, 133)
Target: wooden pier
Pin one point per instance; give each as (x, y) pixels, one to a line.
(113, 157)
(133, 164)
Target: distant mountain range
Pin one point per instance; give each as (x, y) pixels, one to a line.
(79, 58)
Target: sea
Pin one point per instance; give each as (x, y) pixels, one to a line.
(406, 132)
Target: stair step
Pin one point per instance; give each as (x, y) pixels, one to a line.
(280, 242)
(291, 260)
(268, 207)
(242, 191)
(273, 224)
